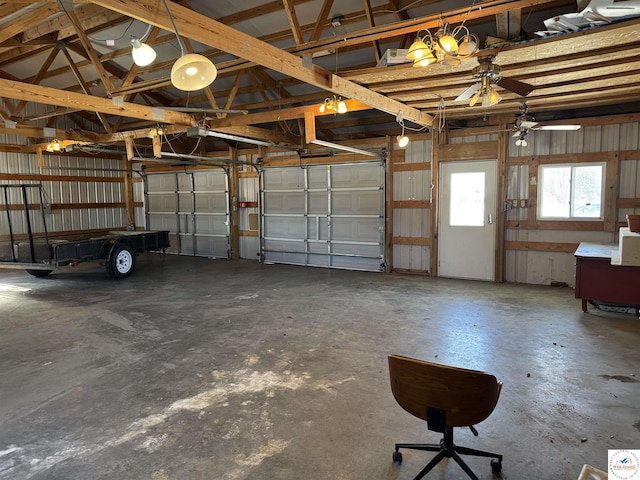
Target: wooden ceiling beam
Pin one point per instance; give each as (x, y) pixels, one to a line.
(210, 32)
(61, 98)
(28, 19)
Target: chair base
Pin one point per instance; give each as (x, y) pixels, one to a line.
(447, 449)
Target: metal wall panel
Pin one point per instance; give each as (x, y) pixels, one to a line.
(73, 192)
(413, 222)
(326, 216)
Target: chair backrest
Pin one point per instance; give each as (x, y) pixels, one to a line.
(465, 396)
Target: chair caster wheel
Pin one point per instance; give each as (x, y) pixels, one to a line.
(397, 457)
(496, 465)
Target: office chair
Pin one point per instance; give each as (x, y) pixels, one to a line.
(445, 397)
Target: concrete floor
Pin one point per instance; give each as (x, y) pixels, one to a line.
(207, 369)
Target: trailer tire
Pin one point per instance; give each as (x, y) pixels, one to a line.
(121, 261)
(39, 273)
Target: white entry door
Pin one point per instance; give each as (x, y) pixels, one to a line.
(467, 220)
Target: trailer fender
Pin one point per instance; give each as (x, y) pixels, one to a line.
(107, 249)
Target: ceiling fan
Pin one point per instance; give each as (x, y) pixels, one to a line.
(525, 122)
(488, 74)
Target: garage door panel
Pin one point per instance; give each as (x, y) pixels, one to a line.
(163, 203)
(211, 202)
(209, 224)
(162, 183)
(205, 244)
(162, 222)
(286, 178)
(318, 203)
(283, 246)
(332, 204)
(360, 202)
(209, 181)
(186, 202)
(354, 176)
(356, 229)
(284, 202)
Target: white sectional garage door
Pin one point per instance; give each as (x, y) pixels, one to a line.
(194, 207)
(324, 216)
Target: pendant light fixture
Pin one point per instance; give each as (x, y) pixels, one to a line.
(191, 71)
(142, 53)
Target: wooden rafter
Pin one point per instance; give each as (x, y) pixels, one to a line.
(289, 8)
(321, 20)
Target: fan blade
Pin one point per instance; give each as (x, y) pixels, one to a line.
(557, 127)
(528, 124)
(468, 93)
(516, 86)
(517, 134)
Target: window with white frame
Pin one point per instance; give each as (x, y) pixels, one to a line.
(571, 191)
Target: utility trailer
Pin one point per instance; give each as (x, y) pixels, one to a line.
(25, 243)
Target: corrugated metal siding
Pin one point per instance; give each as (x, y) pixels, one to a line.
(248, 191)
(413, 222)
(544, 267)
(71, 192)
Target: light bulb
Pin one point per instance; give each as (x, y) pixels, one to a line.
(425, 61)
(403, 140)
(417, 50)
(342, 107)
(322, 108)
(448, 44)
(474, 99)
(493, 96)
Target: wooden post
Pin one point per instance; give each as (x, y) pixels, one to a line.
(435, 176)
(388, 202)
(128, 194)
(234, 212)
(503, 153)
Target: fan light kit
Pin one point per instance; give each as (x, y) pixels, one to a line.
(525, 122)
(334, 104)
(488, 74)
(446, 47)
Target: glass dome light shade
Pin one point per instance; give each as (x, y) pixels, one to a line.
(193, 72)
(448, 44)
(468, 46)
(418, 50)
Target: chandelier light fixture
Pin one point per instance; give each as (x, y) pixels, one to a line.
(448, 47)
(191, 71)
(333, 104)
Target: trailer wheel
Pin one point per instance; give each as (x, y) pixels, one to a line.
(121, 261)
(39, 273)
